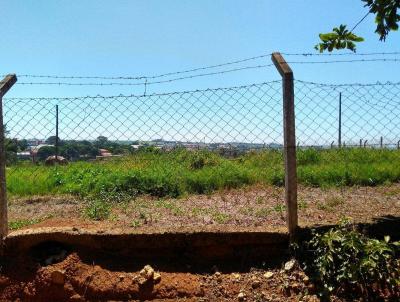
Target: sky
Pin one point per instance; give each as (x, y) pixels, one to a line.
(144, 38)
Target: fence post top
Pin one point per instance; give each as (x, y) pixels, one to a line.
(280, 64)
(5, 84)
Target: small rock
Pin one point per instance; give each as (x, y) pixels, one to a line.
(76, 298)
(141, 280)
(256, 283)
(218, 275)
(241, 296)
(147, 272)
(58, 277)
(236, 277)
(268, 275)
(290, 265)
(306, 280)
(157, 277)
(311, 298)
(121, 277)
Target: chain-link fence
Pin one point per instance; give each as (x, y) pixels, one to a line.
(232, 121)
(115, 148)
(353, 115)
(238, 118)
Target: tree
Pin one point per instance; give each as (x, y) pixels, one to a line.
(102, 139)
(52, 140)
(386, 19)
(46, 151)
(101, 142)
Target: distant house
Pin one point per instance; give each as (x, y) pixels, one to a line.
(105, 153)
(25, 155)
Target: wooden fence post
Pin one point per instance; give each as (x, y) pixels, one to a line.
(5, 85)
(289, 136)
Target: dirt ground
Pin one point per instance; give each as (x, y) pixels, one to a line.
(84, 277)
(249, 208)
(55, 274)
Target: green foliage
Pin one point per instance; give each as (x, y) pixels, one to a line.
(18, 224)
(339, 38)
(308, 156)
(345, 261)
(386, 19)
(45, 151)
(181, 172)
(97, 209)
(386, 16)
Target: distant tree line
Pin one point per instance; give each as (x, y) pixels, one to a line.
(70, 149)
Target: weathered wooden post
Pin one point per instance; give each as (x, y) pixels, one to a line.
(289, 137)
(5, 85)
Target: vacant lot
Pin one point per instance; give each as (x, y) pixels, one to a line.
(203, 189)
(250, 208)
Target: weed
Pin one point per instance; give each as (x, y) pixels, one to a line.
(97, 210)
(136, 223)
(260, 200)
(303, 205)
(219, 217)
(279, 208)
(346, 261)
(334, 201)
(263, 212)
(18, 224)
(170, 205)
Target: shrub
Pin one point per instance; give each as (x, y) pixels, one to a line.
(345, 261)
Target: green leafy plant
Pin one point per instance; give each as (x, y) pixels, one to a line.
(18, 224)
(97, 209)
(386, 16)
(339, 38)
(345, 261)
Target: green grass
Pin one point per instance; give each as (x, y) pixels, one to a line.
(182, 172)
(18, 224)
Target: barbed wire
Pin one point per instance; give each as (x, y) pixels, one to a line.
(98, 96)
(387, 83)
(143, 77)
(146, 82)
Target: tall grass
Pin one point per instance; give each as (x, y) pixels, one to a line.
(183, 172)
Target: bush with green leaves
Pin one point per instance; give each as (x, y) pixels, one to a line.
(346, 261)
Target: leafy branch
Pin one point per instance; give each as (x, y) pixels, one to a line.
(386, 19)
(339, 38)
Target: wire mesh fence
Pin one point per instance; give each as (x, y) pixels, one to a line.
(106, 149)
(229, 120)
(239, 118)
(354, 115)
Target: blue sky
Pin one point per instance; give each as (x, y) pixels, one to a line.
(135, 38)
(114, 38)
